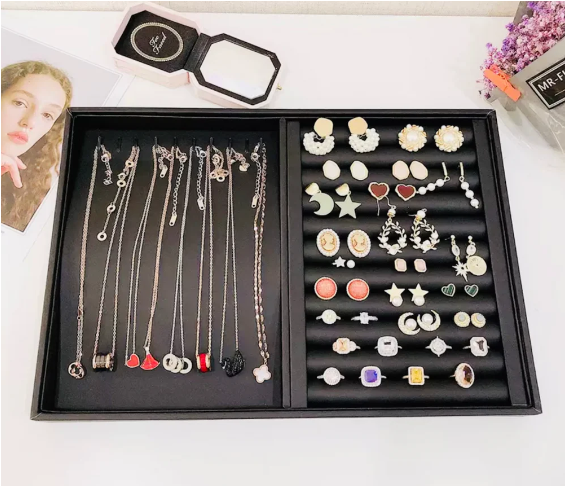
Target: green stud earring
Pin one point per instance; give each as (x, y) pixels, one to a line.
(471, 290)
(450, 289)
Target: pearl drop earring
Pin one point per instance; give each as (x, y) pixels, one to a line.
(466, 187)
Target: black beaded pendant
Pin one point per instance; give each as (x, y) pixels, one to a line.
(235, 365)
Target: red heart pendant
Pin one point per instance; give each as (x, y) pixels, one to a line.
(149, 363)
(405, 192)
(133, 361)
(378, 190)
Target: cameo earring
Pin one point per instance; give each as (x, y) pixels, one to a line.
(359, 128)
(321, 141)
(412, 138)
(328, 242)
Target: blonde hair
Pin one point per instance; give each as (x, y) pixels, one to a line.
(19, 205)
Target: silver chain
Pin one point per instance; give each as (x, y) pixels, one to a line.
(76, 369)
(206, 202)
(258, 250)
(169, 156)
(128, 179)
(105, 157)
(136, 264)
(179, 277)
(231, 157)
(182, 157)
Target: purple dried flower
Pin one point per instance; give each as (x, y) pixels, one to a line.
(526, 41)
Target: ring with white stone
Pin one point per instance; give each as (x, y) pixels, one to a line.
(344, 346)
(478, 346)
(331, 376)
(329, 317)
(438, 346)
(364, 318)
(387, 346)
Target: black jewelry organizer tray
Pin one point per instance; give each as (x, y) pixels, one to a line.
(300, 345)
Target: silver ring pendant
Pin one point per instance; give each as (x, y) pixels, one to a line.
(111, 208)
(101, 236)
(187, 366)
(121, 183)
(169, 362)
(178, 366)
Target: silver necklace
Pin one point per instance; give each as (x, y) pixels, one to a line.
(155, 43)
(133, 360)
(236, 364)
(262, 372)
(149, 362)
(171, 362)
(106, 361)
(122, 181)
(76, 369)
(204, 360)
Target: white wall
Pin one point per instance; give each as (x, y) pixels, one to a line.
(473, 9)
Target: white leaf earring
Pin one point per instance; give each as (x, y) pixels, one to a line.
(474, 202)
(321, 141)
(359, 128)
(386, 230)
(420, 224)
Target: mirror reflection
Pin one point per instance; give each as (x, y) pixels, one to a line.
(237, 69)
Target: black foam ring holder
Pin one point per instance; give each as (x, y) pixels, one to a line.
(451, 213)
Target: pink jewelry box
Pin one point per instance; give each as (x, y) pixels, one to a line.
(165, 47)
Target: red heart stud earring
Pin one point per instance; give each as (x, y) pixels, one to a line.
(378, 190)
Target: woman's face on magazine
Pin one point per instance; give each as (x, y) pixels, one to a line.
(30, 107)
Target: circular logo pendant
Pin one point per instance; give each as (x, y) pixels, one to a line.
(359, 243)
(476, 265)
(357, 289)
(328, 242)
(325, 288)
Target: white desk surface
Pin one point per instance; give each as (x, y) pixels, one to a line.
(331, 62)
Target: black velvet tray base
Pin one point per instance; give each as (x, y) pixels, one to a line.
(300, 346)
